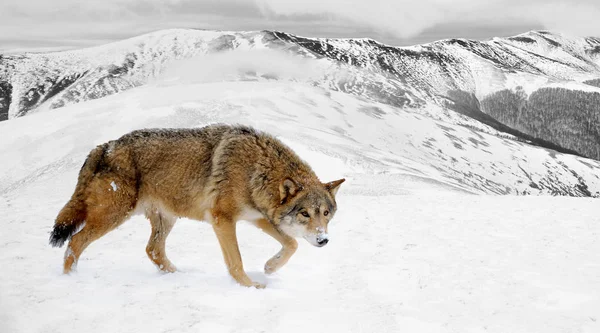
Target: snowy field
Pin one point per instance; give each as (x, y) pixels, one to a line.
(414, 247)
(427, 262)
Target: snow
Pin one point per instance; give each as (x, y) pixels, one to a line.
(420, 263)
(574, 86)
(114, 186)
(420, 241)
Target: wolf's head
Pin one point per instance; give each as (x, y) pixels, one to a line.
(306, 210)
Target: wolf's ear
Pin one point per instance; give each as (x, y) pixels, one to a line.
(334, 186)
(287, 189)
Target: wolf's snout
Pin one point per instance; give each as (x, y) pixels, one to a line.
(322, 241)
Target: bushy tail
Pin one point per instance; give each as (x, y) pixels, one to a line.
(73, 214)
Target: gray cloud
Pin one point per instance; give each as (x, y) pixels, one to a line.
(405, 19)
(76, 23)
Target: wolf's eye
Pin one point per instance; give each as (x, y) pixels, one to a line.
(305, 214)
(326, 213)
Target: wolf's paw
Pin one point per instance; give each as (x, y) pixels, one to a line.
(168, 268)
(272, 265)
(258, 285)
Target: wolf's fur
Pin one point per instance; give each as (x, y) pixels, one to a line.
(219, 173)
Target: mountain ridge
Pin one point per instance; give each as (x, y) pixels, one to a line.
(422, 78)
(92, 56)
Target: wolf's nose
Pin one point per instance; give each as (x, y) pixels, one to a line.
(323, 241)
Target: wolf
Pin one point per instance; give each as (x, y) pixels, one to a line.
(219, 173)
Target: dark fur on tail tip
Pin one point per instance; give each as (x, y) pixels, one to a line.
(61, 233)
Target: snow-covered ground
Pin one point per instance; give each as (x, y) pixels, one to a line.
(420, 242)
(425, 262)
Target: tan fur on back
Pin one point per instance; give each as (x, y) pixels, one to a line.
(187, 170)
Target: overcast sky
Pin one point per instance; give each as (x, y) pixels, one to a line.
(49, 24)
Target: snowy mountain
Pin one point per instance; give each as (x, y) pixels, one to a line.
(429, 78)
(390, 85)
(416, 73)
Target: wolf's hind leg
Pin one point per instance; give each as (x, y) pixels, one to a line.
(109, 203)
(107, 208)
(162, 224)
(226, 234)
(80, 241)
(289, 246)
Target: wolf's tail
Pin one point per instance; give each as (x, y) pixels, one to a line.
(73, 214)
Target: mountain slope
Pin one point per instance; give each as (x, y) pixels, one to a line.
(445, 70)
(379, 139)
(420, 78)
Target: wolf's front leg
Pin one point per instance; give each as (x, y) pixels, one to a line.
(225, 230)
(289, 246)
